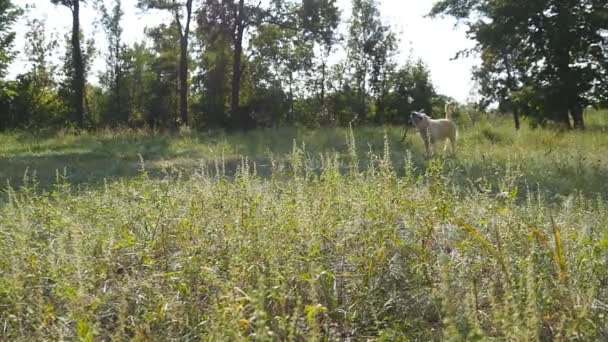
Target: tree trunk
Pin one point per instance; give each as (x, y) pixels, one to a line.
(562, 117)
(183, 81)
(291, 115)
(516, 117)
(183, 63)
(326, 115)
(79, 77)
(566, 91)
(576, 111)
(237, 118)
(511, 86)
(322, 94)
(380, 109)
(124, 118)
(362, 94)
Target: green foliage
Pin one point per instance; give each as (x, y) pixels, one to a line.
(211, 84)
(343, 234)
(67, 88)
(117, 109)
(488, 134)
(270, 64)
(181, 11)
(289, 40)
(410, 90)
(287, 56)
(35, 102)
(8, 15)
(161, 106)
(371, 50)
(67, 3)
(76, 66)
(552, 51)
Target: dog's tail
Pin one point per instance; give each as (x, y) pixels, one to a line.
(449, 110)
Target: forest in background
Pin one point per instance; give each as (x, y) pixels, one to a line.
(239, 64)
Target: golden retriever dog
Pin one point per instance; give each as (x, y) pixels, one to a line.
(435, 130)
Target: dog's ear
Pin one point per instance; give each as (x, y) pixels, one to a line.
(420, 113)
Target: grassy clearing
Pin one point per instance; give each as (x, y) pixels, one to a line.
(342, 236)
(561, 163)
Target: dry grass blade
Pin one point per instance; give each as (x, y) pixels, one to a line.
(558, 253)
(477, 236)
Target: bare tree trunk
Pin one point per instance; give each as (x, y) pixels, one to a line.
(363, 94)
(79, 77)
(576, 110)
(516, 117)
(511, 85)
(183, 82)
(291, 114)
(563, 65)
(117, 85)
(237, 117)
(563, 118)
(323, 76)
(183, 62)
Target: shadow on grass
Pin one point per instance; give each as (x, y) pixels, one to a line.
(82, 161)
(553, 178)
(87, 161)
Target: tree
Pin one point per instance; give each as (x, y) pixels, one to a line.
(287, 55)
(161, 106)
(240, 23)
(115, 77)
(233, 19)
(79, 79)
(371, 45)
(8, 15)
(36, 102)
(66, 85)
(544, 55)
(320, 18)
(410, 89)
(139, 81)
(182, 15)
(211, 81)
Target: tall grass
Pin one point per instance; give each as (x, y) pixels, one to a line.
(356, 237)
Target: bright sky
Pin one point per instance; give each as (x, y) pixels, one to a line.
(435, 41)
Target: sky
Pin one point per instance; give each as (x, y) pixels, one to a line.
(436, 41)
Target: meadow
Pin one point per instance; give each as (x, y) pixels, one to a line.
(305, 234)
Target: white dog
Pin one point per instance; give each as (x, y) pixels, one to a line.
(432, 130)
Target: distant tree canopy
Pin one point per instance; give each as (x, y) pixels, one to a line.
(8, 15)
(77, 74)
(233, 64)
(546, 59)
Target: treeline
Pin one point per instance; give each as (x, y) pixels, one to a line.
(239, 64)
(546, 59)
(218, 63)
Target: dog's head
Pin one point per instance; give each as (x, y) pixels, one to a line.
(420, 120)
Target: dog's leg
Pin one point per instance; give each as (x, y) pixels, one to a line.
(452, 144)
(427, 144)
(404, 135)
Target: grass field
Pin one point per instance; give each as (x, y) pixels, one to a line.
(294, 234)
